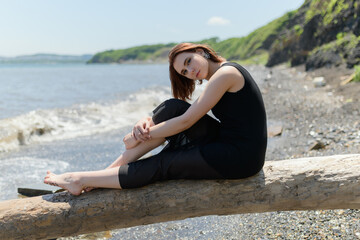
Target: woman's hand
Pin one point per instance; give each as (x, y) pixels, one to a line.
(141, 130)
(140, 133)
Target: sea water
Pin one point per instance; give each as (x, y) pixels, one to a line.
(48, 102)
(51, 114)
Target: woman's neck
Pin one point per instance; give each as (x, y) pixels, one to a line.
(213, 67)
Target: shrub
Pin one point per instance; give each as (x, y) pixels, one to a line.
(357, 73)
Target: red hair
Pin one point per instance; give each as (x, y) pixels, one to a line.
(182, 87)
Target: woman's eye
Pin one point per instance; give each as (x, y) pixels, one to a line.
(189, 61)
(185, 72)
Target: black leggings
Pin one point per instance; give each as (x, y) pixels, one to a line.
(181, 158)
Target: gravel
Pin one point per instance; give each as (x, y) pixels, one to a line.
(308, 115)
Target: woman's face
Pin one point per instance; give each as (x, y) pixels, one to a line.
(192, 65)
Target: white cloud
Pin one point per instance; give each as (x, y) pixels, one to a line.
(218, 21)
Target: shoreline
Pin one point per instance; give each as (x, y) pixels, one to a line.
(307, 114)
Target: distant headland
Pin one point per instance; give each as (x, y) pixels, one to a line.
(46, 59)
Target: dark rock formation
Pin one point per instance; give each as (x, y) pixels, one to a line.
(354, 57)
(331, 21)
(308, 38)
(323, 59)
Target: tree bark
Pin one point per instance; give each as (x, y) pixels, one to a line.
(330, 182)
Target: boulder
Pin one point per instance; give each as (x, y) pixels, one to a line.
(322, 58)
(354, 57)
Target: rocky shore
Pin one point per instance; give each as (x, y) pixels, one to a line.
(315, 121)
(327, 115)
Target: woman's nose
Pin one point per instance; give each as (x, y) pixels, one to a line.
(191, 69)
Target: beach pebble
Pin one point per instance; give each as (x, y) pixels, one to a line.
(319, 82)
(274, 130)
(317, 145)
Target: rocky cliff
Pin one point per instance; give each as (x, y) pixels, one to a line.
(320, 33)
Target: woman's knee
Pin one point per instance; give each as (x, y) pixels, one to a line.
(169, 109)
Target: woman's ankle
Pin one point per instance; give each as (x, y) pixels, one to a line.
(77, 178)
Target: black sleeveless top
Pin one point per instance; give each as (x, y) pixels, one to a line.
(242, 127)
(242, 114)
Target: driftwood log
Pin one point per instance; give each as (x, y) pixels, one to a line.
(331, 182)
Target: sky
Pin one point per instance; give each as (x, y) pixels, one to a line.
(89, 26)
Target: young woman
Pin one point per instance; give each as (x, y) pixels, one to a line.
(199, 147)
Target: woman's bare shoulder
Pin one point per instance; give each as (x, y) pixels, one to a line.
(228, 72)
(231, 76)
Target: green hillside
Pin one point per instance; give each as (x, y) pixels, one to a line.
(319, 33)
(143, 53)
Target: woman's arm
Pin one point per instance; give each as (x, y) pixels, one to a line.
(224, 79)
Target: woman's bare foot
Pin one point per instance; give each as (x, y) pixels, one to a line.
(68, 181)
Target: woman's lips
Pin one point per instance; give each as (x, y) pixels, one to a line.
(197, 74)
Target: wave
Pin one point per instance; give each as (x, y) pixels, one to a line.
(22, 171)
(78, 120)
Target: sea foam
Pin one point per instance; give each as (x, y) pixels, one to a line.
(78, 120)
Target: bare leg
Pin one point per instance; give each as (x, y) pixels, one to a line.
(135, 153)
(75, 182)
(138, 150)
